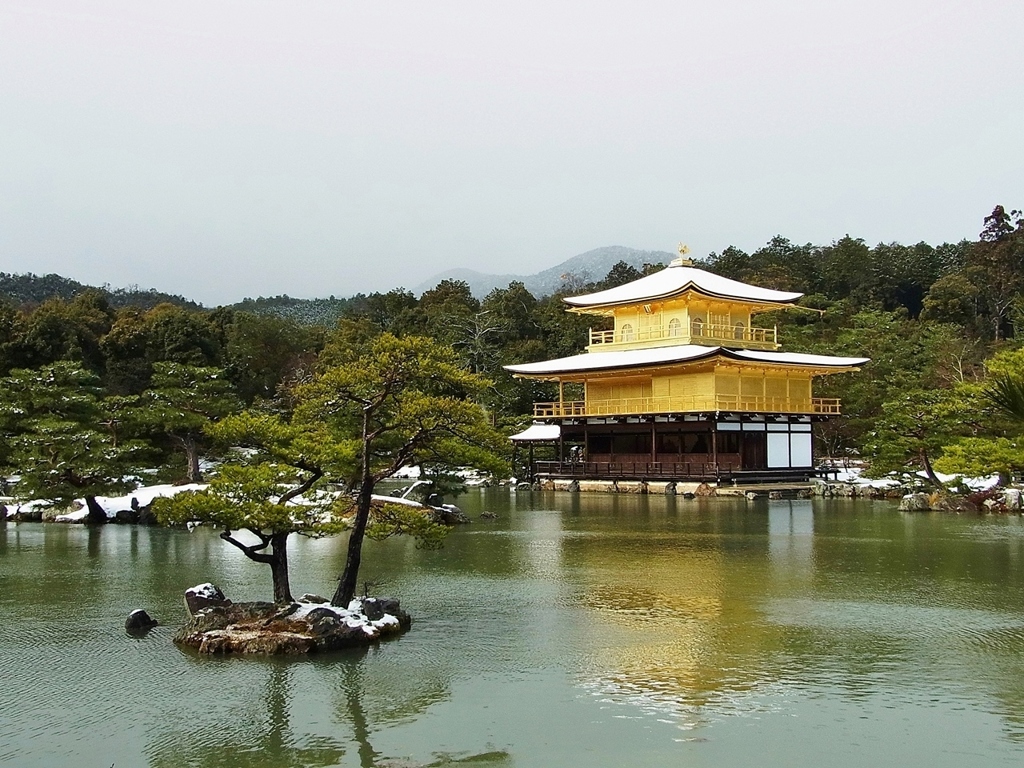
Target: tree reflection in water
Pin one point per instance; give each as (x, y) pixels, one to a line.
(394, 696)
(277, 727)
(254, 739)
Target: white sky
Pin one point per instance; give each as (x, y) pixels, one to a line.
(317, 147)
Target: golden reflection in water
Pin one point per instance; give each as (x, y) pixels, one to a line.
(670, 622)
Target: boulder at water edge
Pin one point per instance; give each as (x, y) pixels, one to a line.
(915, 502)
(139, 622)
(204, 596)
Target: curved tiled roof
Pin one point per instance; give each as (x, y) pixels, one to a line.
(677, 279)
(684, 353)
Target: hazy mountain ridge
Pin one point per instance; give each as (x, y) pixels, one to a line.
(30, 289)
(590, 266)
(21, 289)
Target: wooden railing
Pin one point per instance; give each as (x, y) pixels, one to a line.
(703, 403)
(699, 332)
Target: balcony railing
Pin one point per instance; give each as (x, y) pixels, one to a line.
(726, 335)
(704, 403)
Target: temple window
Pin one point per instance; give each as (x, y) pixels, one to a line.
(627, 331)
(738, 331)
(674, 326)
(697, 327)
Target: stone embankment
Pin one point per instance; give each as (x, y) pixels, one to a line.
(693, 490)
(996, 501)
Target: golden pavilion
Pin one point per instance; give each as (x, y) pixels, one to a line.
(683, 386)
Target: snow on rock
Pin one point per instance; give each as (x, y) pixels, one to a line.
(356, 614)
(139, 622)
(207, 590)
(204, 596)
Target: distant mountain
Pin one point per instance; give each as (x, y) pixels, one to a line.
(587, 267)
(325, 312)
(29, 289)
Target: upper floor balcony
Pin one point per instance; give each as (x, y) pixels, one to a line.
(630, 406)
(627, 336)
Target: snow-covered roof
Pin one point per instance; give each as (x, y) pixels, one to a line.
(798, 358)
(538, 432)
(684, 353)
(625, 358)
(676, 279)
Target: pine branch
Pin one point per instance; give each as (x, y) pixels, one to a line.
(252, 552)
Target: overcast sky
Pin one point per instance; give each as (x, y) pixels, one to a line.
(318, 147)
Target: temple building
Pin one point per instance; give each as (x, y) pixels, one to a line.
(682, 387)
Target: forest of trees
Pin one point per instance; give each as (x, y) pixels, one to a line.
(942, 324)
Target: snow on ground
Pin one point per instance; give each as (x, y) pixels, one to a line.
(13, 506)
(407, 473)
(854, 476)
(974, 483)
(396, 500)
(145, 494)
(111, 504)
(470, 476)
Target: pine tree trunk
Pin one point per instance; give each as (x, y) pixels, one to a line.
(930, 473)
(192, 459)
(279, 568)
(350, 577)
(97, 515)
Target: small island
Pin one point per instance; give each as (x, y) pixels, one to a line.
(218, 626)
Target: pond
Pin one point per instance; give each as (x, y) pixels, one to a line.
(601, 630)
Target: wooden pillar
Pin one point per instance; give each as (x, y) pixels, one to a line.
(532, 473)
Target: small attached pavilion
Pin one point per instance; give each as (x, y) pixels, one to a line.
(683, 386)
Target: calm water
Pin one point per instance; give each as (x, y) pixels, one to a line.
(575, 629)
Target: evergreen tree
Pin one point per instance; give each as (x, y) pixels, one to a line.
(391, 403)
(62, 441)
(182, 402)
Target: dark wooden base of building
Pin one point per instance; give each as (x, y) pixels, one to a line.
(668, 471)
